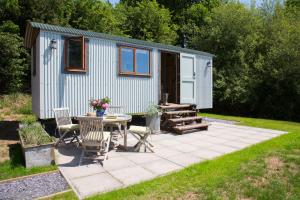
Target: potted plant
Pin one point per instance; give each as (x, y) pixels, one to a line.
(153, 118)
(100, 105)
(37, 145)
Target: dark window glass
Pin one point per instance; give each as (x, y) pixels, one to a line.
(142, 61)
(75, 54)
(127, 60)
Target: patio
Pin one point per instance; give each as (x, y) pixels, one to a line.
(172, 152)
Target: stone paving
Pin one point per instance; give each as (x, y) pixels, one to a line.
(172, 153)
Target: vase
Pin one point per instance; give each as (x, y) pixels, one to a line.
(100, 113)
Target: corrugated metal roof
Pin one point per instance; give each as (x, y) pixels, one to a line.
(31, 26)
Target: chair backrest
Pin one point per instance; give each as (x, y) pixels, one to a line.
(90, 125)
(62, 116)
(115, 110)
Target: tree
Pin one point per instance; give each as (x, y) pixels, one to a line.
(278, 90)
(13, 66)
(148, 21)
(233, 33)
(292, 3)
(97, 16)
(195, 17)
(9, 10)
(57, 12)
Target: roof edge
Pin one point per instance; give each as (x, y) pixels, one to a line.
(33, 28)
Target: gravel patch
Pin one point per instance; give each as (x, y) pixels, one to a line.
(219, 120)
(33, 187)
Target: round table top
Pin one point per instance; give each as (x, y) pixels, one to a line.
(114, 118)
(119, 118)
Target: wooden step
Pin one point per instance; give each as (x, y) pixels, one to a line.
(174, 106)
(178, 112)
(185, 119)
(180, 129)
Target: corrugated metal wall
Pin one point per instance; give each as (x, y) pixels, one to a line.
(74, 90)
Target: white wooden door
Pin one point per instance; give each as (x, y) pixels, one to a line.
(187, 78)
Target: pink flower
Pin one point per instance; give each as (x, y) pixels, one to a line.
(94, 103)
(105, 106)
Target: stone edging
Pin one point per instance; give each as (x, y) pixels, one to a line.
(54, 194)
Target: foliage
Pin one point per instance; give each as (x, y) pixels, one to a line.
(95, 15)
(9, 10)
(293, 3)
(148, 21)
(34, 134)
(13, 66)
(253, 51)
(152, 110)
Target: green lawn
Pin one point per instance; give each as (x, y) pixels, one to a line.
(15, 166)
(269, 170)
(15, 108)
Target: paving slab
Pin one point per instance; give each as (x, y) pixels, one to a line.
(171, 153)
(184, 159)
(140, 158)
(81, 171)
(117, 163)
(206, 154)
(185, 148)
(132, 175)
(89, 185)
(161, 167)
(222, 148)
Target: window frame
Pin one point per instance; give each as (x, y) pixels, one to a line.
(134, 73)
(84, 59)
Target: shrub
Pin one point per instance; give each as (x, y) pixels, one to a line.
(13, 66)
(34, 134)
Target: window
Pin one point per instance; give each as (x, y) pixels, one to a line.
(134, 61)
(76, 51)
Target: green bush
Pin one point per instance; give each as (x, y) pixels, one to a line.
(13, 66)
(34, 134)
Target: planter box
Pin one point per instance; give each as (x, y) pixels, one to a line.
(154, 122)
(37, 155)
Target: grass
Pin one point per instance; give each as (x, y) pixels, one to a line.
(15, 108)
(15, 166)
(269, 170)
(34, 134)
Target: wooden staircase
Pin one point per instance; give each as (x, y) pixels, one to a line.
(180, 118)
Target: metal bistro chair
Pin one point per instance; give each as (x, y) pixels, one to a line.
(64, 125)
(93, 138)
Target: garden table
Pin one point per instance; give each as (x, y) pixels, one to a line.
(122, 119)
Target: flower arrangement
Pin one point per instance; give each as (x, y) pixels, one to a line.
(100, 105)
